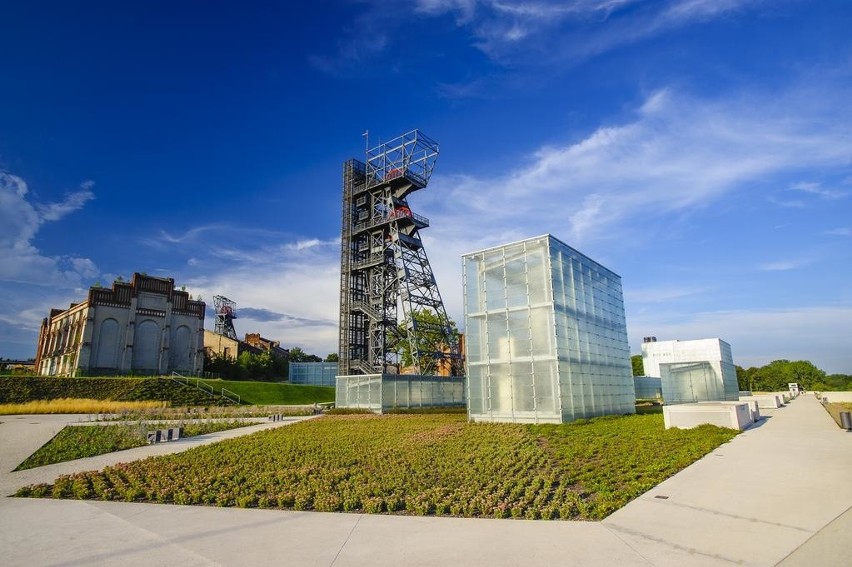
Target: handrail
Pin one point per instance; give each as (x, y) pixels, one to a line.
(396, 214)
(206, 388)
(233, 396)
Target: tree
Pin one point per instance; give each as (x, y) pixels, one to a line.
(638, 365)
(430, 342)
(777, 374)
(742, 378)
(298, 355)
(332, 357)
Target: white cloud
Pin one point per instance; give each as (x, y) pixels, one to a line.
(678, 154)
(550, 30)
(845, 231)
(661, 294)
(31, 282)
(73, 202)
(311, 243)
(20, 221)
(817, 189)
(295, 276)
(531, 32)
(625, 184)
(782, 266)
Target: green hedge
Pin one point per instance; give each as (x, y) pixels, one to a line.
(20, 389)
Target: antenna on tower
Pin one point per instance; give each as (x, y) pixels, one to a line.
(226, 312)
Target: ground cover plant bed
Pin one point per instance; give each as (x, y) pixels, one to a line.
(414, 464)
(77, 442)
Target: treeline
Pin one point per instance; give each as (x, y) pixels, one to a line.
(778, 373)
(263, 366)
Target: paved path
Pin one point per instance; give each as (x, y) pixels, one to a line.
(779, 492)
(752, 501)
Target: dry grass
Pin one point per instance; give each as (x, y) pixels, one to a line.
(73, 405)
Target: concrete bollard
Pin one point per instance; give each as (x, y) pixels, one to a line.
(846, 420)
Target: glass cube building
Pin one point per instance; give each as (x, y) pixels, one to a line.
(546, 335)
(692, 371)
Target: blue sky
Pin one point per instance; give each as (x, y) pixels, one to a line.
(702, 149)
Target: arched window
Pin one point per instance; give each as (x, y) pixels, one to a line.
(146, 347)
(107, 347)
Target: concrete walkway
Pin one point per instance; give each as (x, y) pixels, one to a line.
(779, 493)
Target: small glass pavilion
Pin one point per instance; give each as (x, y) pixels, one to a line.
(546, 335)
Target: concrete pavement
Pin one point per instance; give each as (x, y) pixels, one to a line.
(777, 494)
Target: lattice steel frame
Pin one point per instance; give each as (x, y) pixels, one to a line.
(226, 312)
(384, 270)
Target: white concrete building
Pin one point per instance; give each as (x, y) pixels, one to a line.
(692, 371)
(144, 326)
(546, 335)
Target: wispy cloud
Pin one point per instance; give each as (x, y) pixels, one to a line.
(285, 285)
(662, 294)
(73, 201)
(549, 31)
(626, 184)
(781, 266)
(32, 282)
(309, 244)
(515, 33)
(267, 316)
(818, 190)
(845, 231)
(20, 220)
(679, 153)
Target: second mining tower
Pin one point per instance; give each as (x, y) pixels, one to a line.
(388, 293)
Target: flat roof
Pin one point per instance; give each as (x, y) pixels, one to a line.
(540, 237)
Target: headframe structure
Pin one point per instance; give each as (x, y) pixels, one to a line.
(226, 312)
(385, 276)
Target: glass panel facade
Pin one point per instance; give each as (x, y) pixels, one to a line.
(380, 392)
(313, 373)
(546, 335)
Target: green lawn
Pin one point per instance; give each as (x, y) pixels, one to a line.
(271, 393)
(77, 442)
(414, 464)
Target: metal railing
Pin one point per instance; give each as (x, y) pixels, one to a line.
(197, 383)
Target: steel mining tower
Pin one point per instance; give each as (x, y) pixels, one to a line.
(226, 312)
(388, 293)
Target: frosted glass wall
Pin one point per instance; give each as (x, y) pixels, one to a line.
(689, 382)
(545, 334)
(381, 392)
(313, 373)
(647, 387)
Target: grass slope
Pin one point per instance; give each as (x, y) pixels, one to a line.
(414, 464)
(271, 393)
(20, 389)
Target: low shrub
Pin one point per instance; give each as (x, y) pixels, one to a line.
(418, 464)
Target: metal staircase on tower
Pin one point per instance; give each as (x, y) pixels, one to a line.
(389, 299)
